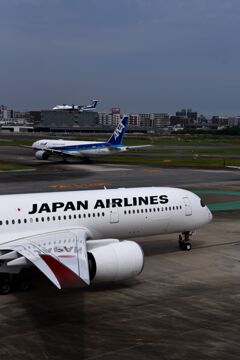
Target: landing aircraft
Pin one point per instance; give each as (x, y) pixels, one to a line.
(74, 238)
(84, 149)
(79, 108)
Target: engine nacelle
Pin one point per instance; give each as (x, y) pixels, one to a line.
(41, 155)
(115, 261)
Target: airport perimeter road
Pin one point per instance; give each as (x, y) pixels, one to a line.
(185, 305)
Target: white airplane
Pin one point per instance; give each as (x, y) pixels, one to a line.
(74, 237)
(83, 149)
(79, 108)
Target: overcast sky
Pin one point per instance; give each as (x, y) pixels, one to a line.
(141, 55)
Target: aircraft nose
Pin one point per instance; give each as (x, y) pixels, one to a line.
(210, 215)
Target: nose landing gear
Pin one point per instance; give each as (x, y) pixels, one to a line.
(184, 241)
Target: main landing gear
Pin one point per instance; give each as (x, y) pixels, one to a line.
(10, 282)
(184, 241)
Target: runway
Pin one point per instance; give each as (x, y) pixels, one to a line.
(184, 305)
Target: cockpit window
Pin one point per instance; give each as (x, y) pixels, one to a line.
(202, 203)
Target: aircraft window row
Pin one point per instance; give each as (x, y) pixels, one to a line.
(141, 211)
(53, 218)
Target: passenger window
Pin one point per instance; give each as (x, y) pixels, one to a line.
(13, 222)
(7, 222)
(41, 219)
(0, 222)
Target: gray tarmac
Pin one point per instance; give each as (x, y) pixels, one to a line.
(184, 305)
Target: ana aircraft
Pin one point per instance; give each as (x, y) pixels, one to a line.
(83, 149)
(74, 237)
(79, 108)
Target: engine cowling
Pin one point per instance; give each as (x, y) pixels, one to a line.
(41, 155)
(115, 261)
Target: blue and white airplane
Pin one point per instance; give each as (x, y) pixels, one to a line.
(83, 149)
(79, 108)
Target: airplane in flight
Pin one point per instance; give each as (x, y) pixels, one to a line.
(75, 238)
(83, 149)
(79, 108)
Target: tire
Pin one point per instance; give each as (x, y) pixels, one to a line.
(5, 287)
(24, 284)
(188, 246)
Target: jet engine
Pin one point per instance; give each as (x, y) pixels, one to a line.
(115, 261)
(41, 155)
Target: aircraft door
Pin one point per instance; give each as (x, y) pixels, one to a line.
(114, 215)
(188, 206)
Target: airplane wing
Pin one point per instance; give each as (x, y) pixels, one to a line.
(60, 255)
(137, 147)
(123, 147)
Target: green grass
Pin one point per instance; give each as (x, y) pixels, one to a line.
(12, 167)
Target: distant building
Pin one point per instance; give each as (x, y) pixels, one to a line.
(160, 120)
(134, 120)
(70, 121)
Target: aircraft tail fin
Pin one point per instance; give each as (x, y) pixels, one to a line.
(118, 134)
(91, 106)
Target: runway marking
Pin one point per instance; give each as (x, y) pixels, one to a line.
(76, 186)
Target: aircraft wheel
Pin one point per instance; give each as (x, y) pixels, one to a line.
(188, 246)
(5, 287)
(24, 284)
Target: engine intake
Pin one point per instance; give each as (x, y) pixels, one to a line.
(115, 261)
(41, 155)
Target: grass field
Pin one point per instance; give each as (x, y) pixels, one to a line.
(13, 167)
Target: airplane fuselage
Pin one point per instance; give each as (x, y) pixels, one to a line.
(118, 213)
(77, 148)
